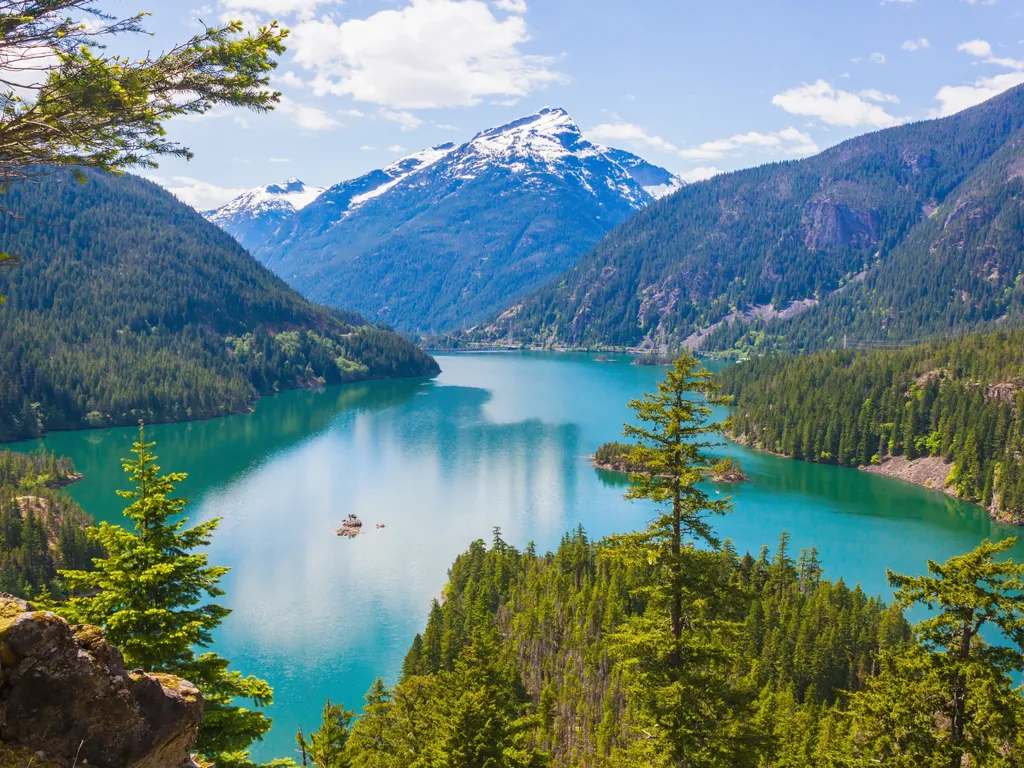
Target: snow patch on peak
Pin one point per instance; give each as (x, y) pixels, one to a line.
(292, 195)
(401, 169)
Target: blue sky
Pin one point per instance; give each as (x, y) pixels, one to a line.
(697, 87)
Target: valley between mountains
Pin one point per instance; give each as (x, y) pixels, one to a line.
(449, 352)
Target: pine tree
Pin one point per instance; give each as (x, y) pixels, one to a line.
(153, 595)
(325, 747)
(673, 653)
(949, 701)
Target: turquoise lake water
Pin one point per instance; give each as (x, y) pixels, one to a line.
(496, 440)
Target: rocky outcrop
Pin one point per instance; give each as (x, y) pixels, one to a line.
(351, 528)
(828, 223)
(65, 694)
(928, 471)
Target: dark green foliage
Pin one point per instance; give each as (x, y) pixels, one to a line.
(957, 399)
(796, 635)
(152, 595)
(127, 304)
(614, 455)
(950, 702)
(41, 530)
(919, 225)
(325, 747)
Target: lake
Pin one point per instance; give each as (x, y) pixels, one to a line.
(496, 440)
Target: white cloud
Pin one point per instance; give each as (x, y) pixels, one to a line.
(872, 94)
(429, 53)
(700, 174)
(612, 132)
(396, 148)
(833, 106)
(201, 195)
(983, 50)
(954, 98)
(306, 117)
(279, 159)
(978, 48)
(512, 6)
(367, 148)
(878, 58)
(916, 45)
(289, 80)
(406, 120)
(789, 142)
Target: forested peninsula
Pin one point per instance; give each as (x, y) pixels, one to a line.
(125, 304)
(948, 415)
(42, 530)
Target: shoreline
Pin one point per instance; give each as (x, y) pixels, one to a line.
(731, 479)
(928, 472)
(6, 444)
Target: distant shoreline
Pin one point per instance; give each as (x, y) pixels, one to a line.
(928, 472)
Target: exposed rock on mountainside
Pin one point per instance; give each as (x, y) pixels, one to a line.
(906, 233)
(451, 234)
(64, 692)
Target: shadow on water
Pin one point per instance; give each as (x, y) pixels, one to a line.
(496, 440)
(217, 451)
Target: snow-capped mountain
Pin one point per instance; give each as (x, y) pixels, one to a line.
(453, 233)
(255, 215)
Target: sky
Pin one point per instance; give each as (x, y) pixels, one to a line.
(697, 86)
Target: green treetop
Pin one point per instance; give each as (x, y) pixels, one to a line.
(66, 101)
(675, 653)
(152, 596)
(950, 701)
(325, 747)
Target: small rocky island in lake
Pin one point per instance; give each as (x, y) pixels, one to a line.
(653, 358)
(352, 526)
(728, 471)
(614, 457)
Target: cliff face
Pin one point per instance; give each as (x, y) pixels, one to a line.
(65, 698)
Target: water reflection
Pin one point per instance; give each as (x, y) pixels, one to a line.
(496, 440)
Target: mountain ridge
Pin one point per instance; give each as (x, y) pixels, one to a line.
(126, 304)
(445, 236)
(257, 213)
(789, 235)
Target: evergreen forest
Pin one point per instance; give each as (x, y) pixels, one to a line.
(666, 647)
(124, 304)
(42, 530)
(958, 399)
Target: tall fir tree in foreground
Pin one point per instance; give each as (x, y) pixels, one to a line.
(676, 653)
(153, 595)
(949, 702)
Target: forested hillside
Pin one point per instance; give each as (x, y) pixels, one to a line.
(790, 641)
(961, 400)
(125, 304)
(41, 529)
(906, 232)
(526, 663)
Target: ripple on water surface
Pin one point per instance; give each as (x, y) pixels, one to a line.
(496, 440)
